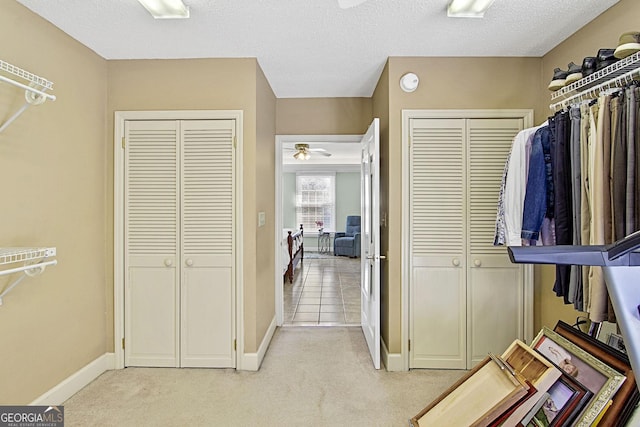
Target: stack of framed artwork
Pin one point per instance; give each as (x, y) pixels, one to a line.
(564, 378)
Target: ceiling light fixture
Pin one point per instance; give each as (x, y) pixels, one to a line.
(166, 9)
(302, 155)
(468, 8)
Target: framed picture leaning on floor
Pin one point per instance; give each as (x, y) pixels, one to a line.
(598, 377)
(628, 396)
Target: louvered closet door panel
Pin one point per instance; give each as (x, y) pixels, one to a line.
(207, 241)
(495, 285)
(151, 243)
(437, 204)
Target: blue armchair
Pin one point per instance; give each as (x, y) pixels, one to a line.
(347, 243)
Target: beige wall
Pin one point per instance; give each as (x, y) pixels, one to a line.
(52, 169)
(323, 116)
(266, 195)
(603, 32)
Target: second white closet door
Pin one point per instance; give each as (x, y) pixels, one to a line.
(207, 297)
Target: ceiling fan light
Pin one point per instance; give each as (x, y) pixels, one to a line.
(301, 155)
(166, 9)
(468, 8)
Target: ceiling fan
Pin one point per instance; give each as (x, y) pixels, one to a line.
(303, 152)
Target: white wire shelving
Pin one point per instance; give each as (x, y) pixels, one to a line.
(615, 75)
(34, 261)
(35, 89)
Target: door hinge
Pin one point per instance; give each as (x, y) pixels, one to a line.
(409, 345)
(123, 343)
(235, 142)
(234, 345)
(123, 143)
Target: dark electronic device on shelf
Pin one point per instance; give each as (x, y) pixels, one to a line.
(620, 264)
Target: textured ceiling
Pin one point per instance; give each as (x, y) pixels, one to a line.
(313, 48)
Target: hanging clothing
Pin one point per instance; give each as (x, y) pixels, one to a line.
(538, 200)
(575, 276)
(618, 165)
(574, 181)
(563, 206)
(599, 115)
(509, 221)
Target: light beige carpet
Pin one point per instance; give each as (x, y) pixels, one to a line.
(310, 377)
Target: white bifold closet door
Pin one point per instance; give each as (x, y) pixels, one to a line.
(179, 243)
(466, 297)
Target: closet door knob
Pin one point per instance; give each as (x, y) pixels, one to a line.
(477, 263)
(455, 262)
(189, 262)
(168, 262)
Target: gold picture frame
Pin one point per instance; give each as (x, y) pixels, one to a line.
(598, 377)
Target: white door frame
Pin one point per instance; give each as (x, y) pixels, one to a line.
(280, 141)
(407, 115)
(118, 218)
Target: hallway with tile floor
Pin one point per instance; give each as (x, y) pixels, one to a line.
(325, 292)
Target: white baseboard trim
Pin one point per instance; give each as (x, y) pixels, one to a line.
(252, 361)
(77, 381)
(392, 361)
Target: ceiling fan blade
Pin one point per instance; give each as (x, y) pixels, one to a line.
(323, 153)
(347, 4)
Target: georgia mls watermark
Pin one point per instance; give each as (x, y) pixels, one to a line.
(31, 416)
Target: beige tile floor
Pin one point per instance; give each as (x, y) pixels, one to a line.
(325, 292)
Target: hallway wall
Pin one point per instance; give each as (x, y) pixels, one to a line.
(53, 170)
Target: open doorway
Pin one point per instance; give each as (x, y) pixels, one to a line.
(319, 192)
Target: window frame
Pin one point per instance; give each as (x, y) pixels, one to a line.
(330, 225)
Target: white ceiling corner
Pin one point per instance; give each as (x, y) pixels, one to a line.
(316, 48)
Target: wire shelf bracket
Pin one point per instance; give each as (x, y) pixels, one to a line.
(34, 87)
(34, 261)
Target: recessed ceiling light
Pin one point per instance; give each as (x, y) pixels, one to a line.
(166, 9)
(468, 8)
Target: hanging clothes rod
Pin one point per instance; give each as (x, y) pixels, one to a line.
(592, 92)
(34, 91)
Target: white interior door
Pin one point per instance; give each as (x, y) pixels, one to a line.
(207, 293)
(438, 240)
(152, 292)
(179, 243)
(370, 239)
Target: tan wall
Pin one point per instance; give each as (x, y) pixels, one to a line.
(265, 188)
(52, 166)
(197, 84)
(381, 110)
(445, 83)
(323, 116)
(603, 32)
